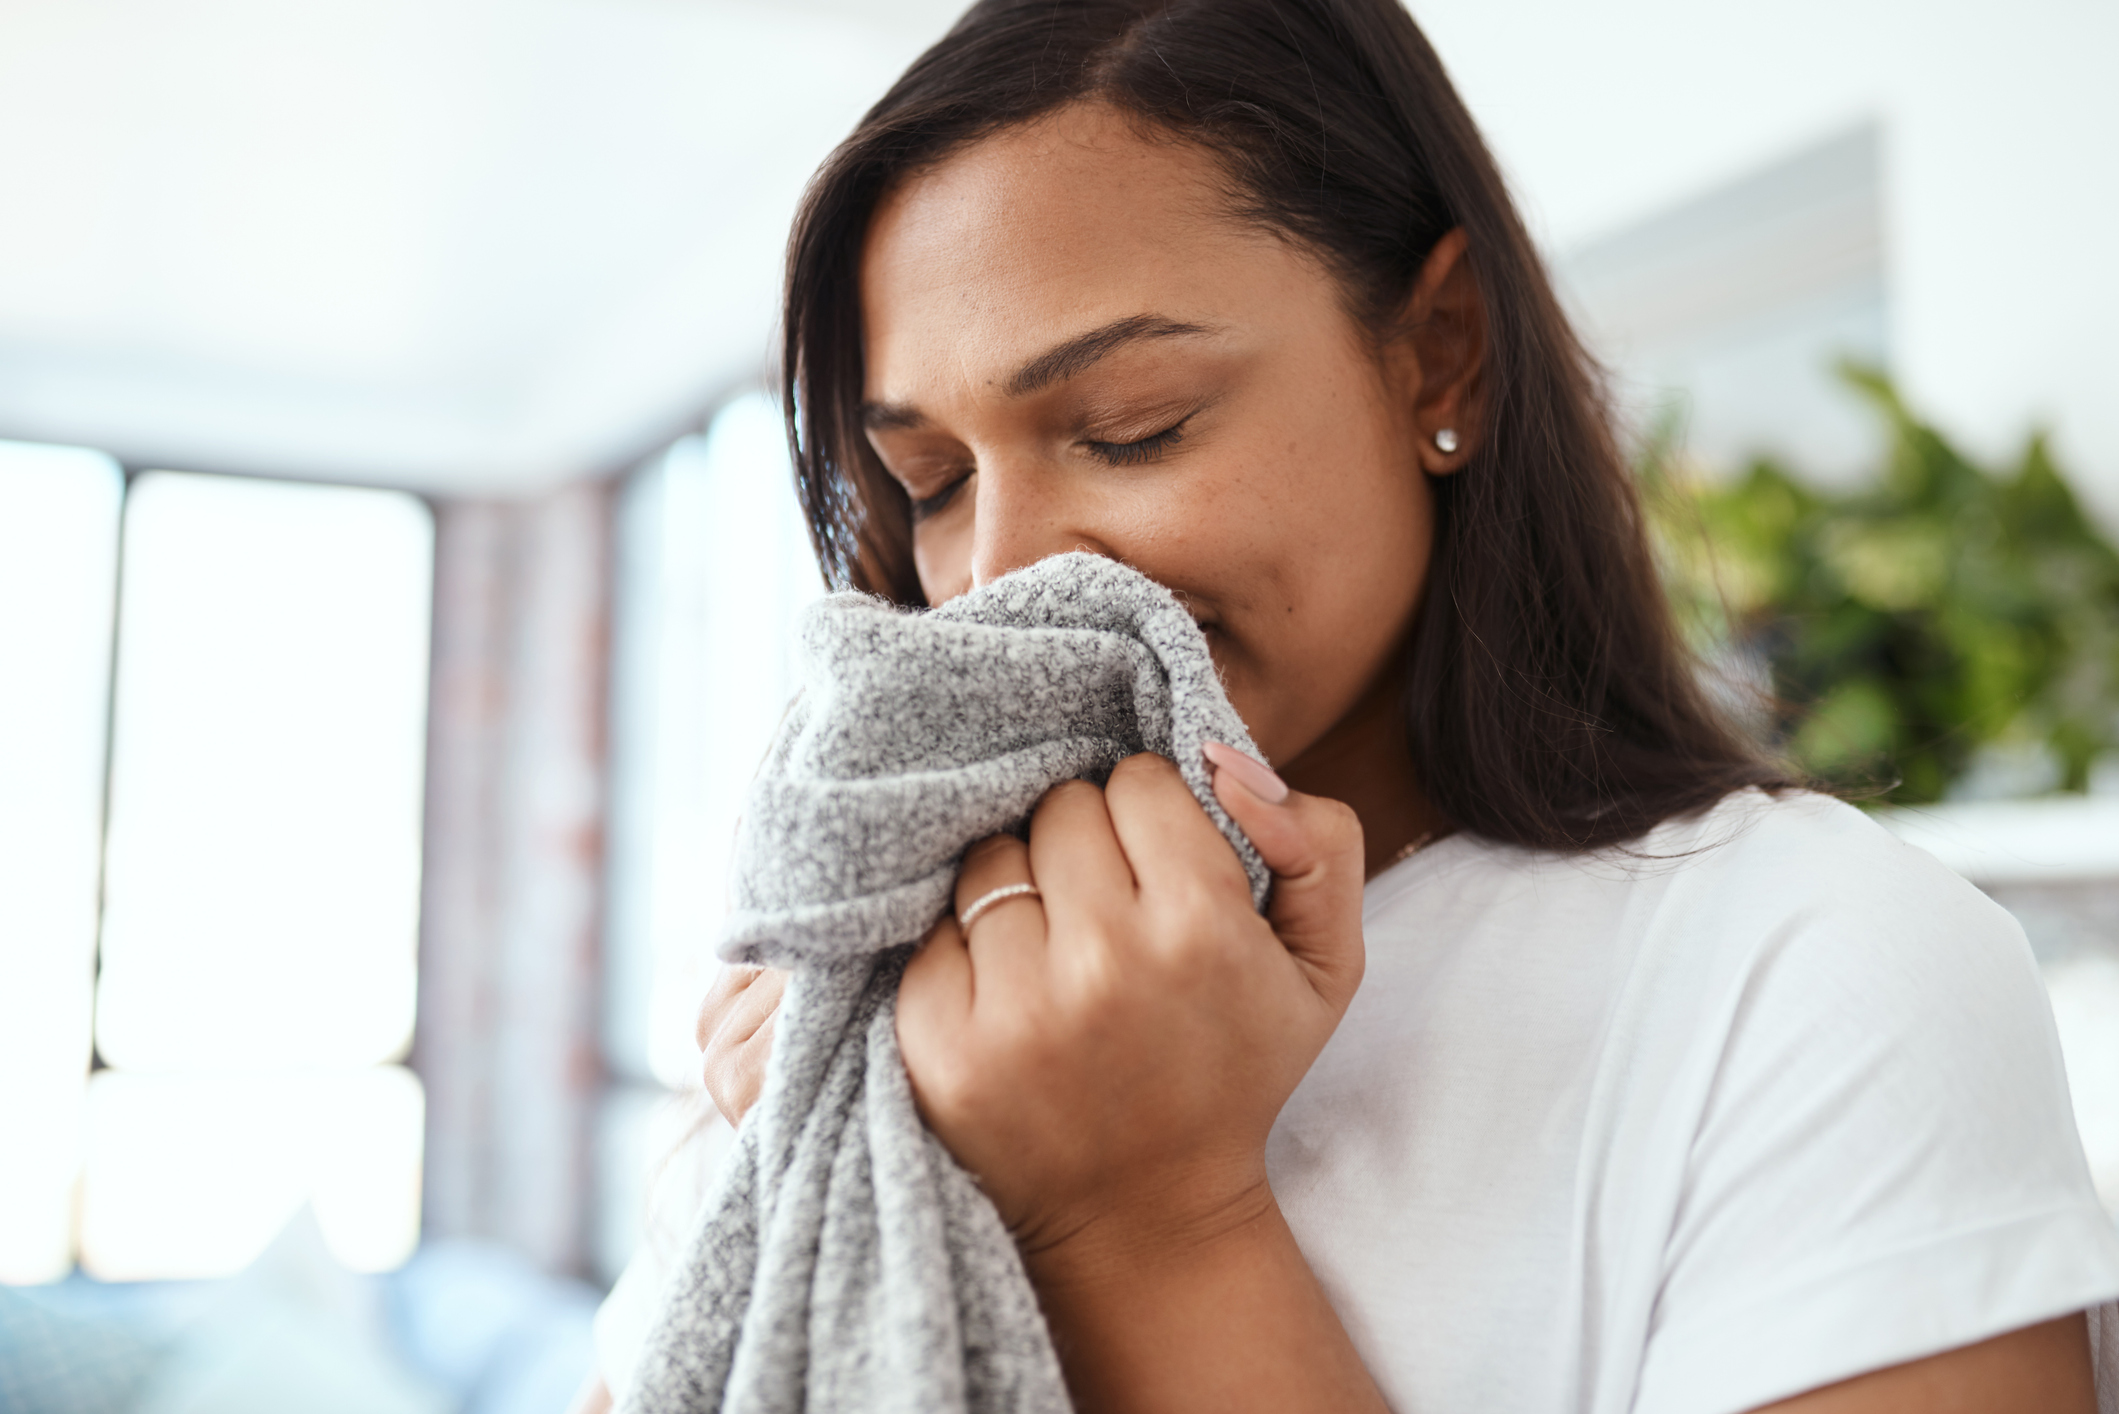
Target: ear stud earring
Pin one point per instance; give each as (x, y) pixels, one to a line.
(1446, 440)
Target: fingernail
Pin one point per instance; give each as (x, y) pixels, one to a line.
(1254, 776)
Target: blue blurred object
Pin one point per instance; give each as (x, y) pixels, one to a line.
(482, 1321)
(464, 1328)
(54, 1361)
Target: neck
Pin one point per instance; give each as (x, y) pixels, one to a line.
(1363, 762)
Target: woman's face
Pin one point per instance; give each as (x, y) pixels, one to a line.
(1070, 346)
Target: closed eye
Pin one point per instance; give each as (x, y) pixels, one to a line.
(925, 506)
(1147, 449)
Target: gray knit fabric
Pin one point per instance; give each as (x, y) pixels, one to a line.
(844, 1261)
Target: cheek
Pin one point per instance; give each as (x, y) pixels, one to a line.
(1333, 574)
(1332, 510)
(1322, 578)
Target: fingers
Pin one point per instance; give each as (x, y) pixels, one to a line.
(1313, 847)
(1007, 937)
(727, 984)
(736, 1036)
(936, 992)
(737, 1002)
(735, 1074)
(1169, 841)
(1076, 858)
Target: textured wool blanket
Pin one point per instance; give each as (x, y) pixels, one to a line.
(844, 1261)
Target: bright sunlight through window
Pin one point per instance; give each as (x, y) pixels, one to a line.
(261, 885)
(58, 570)
(717, 566)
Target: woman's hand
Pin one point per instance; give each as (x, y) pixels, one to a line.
(1108, 1059)
(736, 1036)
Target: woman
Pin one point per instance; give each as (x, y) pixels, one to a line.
(1634, 1077)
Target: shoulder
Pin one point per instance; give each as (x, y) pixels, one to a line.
(1811, 849)
(1794, 931)
(1861, 1039)
(1798, 848)
(1871, 1115)
(1807, 884)
(1732, 879)
(1765, 923)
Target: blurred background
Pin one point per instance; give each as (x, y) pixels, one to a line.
(397, 549)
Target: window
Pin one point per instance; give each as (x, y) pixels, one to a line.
(260, 876)
(58, 571)
(714, 566)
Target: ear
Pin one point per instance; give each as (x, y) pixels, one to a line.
(1442, 347)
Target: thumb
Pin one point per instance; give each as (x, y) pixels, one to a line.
(1313, 847)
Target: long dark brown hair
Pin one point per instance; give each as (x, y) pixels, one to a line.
(1548, 699)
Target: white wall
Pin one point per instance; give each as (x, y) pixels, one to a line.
(2001, 167)
(1735, 310)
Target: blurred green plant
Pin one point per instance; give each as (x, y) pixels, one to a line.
(1901, 628)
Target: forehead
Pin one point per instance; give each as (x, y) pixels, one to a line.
(1047, 229)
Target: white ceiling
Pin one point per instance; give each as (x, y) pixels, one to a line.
(460, 245)
(480, 246)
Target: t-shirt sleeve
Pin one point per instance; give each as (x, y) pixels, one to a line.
(1886, 1165)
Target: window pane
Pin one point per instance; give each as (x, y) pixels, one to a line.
(262, 884)
(58, 574)
(715, 565)
(193, 1175)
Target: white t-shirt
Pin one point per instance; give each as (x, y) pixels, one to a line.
(1687, 1134)
(1769, 1100)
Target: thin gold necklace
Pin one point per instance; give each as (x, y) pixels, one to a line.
(1410, 850)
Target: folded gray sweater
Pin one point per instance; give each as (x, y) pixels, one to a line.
(844, 1261)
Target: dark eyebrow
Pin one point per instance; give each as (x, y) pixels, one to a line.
(1063, 361)
(1060, 362)
(891, 417)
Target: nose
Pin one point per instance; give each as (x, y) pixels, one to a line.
(1021, 515)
